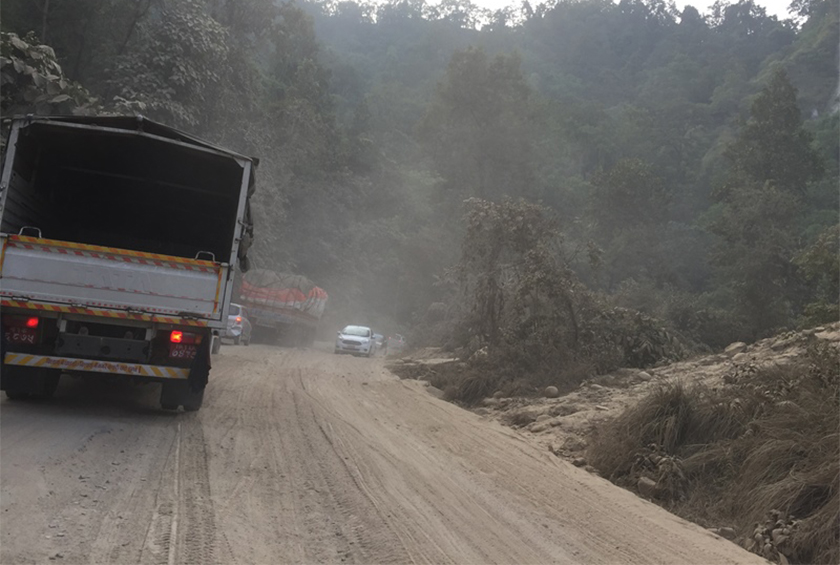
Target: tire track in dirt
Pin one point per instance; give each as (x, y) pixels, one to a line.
(158, 547)
(371, 533)
(196, 519)
(304, 457)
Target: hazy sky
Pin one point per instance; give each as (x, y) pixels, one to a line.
(777, 8)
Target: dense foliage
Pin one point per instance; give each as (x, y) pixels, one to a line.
(689, 161)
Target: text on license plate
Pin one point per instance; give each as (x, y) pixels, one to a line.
(182, 350)
(21, 335)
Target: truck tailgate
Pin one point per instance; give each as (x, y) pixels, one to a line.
(104, 277)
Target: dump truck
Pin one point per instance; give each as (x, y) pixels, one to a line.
(284, 309)
(119, 238)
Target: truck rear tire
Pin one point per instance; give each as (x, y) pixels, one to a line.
(217, 345)
(170, 395)
(192, 400)
(50, 385)
(29, 382)
(175, 394)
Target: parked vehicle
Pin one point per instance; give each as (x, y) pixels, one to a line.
(379, 339)
(107, 264)
(238, 326)
(357, 340)
(284, 309)
(395, 344)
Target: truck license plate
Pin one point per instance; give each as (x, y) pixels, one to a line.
(182, 351)
(21, 335)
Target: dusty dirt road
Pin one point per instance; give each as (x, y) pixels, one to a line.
(306, 457)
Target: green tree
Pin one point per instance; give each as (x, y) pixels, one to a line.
(628, 195)
(174, 70)
(772, 146)
(86, 34)
(479, 128)
(297, 98)
(32, 81)
(757, 241)
(630, 204)
(513, 273)
(771, 163)
(820, 266)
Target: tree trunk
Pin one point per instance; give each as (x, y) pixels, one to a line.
(44, 12)
(139, 13)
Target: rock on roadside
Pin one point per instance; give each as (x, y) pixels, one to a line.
(735, 348)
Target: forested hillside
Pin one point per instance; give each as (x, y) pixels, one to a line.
(556, 181)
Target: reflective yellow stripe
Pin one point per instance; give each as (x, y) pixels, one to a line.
(95, 366)
(104, 313)
(111, 250)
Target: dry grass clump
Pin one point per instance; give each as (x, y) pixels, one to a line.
(766, 445)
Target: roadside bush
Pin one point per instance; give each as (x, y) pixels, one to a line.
(762, 453)
(526, 321)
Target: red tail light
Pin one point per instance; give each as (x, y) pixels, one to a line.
(21, 322)
(178, 336)
(239, 319)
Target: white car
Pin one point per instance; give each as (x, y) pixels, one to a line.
(357, 340)
(238, 326)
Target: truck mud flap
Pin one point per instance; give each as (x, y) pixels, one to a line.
(200, 369)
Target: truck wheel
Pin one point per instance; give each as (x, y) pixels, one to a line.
(175, 394)
(50, 385)
(192, 400)
(217, 345)
(170, 395)
(29, 382)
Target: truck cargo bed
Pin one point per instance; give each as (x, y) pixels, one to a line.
(105, 277)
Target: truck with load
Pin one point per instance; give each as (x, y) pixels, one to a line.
(282, 308)
(119, 238)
